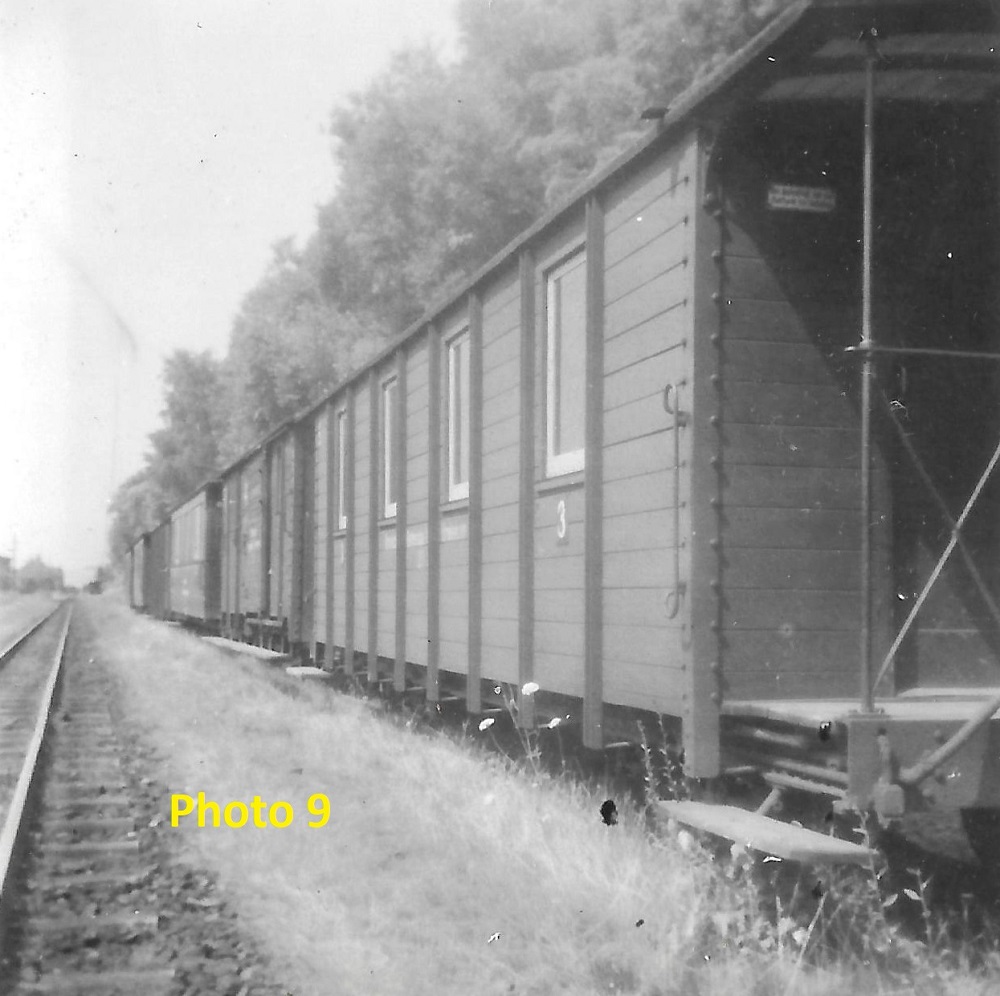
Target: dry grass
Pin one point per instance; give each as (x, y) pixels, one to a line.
(443, 871)
(17, 612)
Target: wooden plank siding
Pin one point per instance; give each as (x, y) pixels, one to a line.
(558, 602)
(274, 539)
(361, 533)
(328, 510)
(415, 576)
(305, 552)
(344, 554)
(280, 485)
(789, 501)
(290, 461)
(251, 536)
(702, 684)
(453, 567)
(195, 572)
(473, 687)
(318, 426)
(399, 467)
(374, 401)
(501, 434)
(648, 319)
(388, 533)
(137, 555)
(593, 553)
(434, 437)
(526, 490)
(228, 552)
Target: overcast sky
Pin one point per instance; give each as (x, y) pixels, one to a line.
(150, 154)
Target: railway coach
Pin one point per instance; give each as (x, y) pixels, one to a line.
(195, 554)
(266, 543)
(156, 571)
(713, 440)
(700, 441)
(135, 569)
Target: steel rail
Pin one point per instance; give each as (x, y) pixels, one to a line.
(11, 833)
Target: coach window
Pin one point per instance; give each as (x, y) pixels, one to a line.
(458, 416)
(565, 365)
(341, 443)
(388, 444)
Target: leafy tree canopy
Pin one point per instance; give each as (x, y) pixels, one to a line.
(439, 166)
(290, 345)
(184, 451)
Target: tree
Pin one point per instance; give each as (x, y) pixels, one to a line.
(430, 185)
(36, 575)
(289, 346)
(136, 507)
(439, 167)
(184, 453)
(186, 449)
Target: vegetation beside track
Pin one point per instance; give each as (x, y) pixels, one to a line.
(446, 870)
(17, 612)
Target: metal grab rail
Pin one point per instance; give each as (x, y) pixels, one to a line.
(869, 39)
(950, 354)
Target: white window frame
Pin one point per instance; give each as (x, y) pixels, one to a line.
(573, 460)
(389, 389)
(340, 441)
(458, 356)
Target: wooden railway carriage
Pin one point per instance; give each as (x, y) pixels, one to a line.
(136, 567)
(156, 571)
(713, 440)
(289, 463)
(264, 547)
(243, 574)
(625, 463)
(195, 558)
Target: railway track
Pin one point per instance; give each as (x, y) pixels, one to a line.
(74, 916)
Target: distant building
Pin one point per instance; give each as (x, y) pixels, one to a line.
(35, 575)
(6, 573)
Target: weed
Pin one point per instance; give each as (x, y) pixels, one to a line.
(451, 871)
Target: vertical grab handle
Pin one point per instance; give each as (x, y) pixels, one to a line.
(672, 406)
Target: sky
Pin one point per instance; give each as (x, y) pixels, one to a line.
(150, 155)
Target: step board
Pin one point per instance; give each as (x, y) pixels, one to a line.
(762, 833)
(307, 672)
(248, 650)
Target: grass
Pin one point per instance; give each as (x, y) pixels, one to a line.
(448, 870)
(17, 612)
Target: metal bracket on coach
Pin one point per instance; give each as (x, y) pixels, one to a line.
(672, 406)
